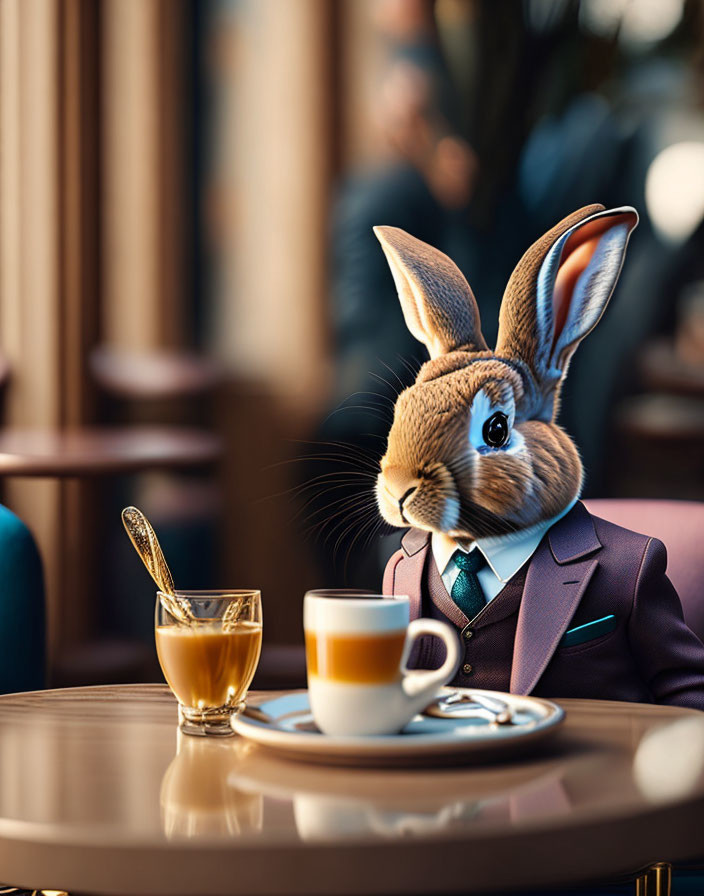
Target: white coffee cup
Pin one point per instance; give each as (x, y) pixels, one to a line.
(357, 646)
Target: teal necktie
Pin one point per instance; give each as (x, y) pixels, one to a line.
(467, 592)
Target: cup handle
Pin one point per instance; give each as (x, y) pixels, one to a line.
(421, 686)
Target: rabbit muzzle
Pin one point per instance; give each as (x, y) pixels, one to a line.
(424, 499)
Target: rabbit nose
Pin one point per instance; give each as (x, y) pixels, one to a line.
(399, 483)
(406, 494)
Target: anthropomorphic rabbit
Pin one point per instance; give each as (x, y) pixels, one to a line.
(547, 599)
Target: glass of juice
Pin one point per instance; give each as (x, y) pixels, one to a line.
(208, 643)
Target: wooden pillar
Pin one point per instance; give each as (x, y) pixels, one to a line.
(271, 178)
(144, 178)
(48, 272)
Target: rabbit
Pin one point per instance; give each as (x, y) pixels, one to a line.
(475, 457)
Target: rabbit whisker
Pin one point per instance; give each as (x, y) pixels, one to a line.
(347, 530)
(409, 367)
(374, 411)
(333, 479)
(382, 379)
(343, 507)
(373, 528)
(346, 451)
(338, 503)
(342, 464)
(348, 523)
(353, 462)
(371, 394)
(393, 373)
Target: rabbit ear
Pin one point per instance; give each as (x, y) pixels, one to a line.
(438, 305)
(559, 290)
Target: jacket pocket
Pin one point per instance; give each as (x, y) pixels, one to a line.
(581, 634)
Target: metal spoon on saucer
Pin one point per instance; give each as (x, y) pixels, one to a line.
(470, 705)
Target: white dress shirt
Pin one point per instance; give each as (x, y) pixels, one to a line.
(504, 554)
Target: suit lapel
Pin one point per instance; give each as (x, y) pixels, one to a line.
(442, 600)
(557, 578)
(409, 572)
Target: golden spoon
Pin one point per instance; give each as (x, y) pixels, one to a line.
(232, 614)
(146, 544)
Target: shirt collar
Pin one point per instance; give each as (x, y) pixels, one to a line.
(505, 554)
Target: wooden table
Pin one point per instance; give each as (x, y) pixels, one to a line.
(76, 457)
(100, 450)
(100, 794)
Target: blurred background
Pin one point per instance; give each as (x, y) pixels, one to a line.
(196, 318)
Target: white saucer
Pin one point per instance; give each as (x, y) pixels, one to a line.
(285, 724)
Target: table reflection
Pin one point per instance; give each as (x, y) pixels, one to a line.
(319, 817)
(329, 803)
(199, 795)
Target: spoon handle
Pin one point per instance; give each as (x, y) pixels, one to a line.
(143, 537)
(147, 545)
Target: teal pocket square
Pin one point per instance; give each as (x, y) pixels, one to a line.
(589, 631)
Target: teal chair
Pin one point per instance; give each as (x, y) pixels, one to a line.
(22, 612)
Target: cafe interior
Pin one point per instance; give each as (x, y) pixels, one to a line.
(197, 320)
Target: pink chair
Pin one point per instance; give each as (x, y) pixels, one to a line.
(680, 526)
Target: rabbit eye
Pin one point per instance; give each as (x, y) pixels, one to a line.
(495, 431)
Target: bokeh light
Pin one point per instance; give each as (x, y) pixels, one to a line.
(674, 191)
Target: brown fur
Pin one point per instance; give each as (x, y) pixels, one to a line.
(432, 475)
(517, 317)
(452, 320)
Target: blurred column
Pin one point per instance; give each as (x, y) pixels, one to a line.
(144, 177)
(363, 56)
(48, 274)
(272, 168)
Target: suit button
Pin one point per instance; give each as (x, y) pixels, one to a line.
(467, 668)
(468, 633)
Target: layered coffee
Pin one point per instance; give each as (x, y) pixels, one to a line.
(362, 658)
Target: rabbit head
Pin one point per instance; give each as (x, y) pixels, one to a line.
(474, 449)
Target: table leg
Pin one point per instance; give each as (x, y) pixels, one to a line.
(657, 881)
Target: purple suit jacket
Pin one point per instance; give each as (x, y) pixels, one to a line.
(586, 568)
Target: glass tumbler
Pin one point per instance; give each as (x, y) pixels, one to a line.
(208, 643)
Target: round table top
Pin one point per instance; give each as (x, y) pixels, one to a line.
(97, 450)
(100, 793)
